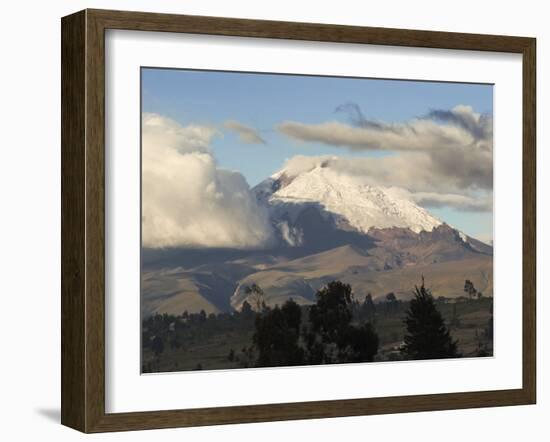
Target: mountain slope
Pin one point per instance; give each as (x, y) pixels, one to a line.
(395, 263)
(328, 226)
(351, 201)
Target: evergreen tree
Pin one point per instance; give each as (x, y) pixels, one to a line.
(427, 336)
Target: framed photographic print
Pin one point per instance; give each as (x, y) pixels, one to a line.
(270, 220)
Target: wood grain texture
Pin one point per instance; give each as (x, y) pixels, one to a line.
(529, 220)
(95, 222)
(83, 220)
(144, 21)
(73, 129)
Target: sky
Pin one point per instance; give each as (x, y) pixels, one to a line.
(257, 122)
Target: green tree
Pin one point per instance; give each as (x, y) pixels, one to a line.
(368, 309)
(470, 289)
(427, 336)
(332, 338)
(358, 344)
(277, 335)
(332, 312)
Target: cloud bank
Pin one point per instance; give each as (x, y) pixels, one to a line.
(444, 158)
(417, 183)
(246, 133)
(187, 201)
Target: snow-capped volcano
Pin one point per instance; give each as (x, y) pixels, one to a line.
(327, 226)
(351, 201)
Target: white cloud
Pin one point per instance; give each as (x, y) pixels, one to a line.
(411, 175)
(246, 133)
(303, 163)
(170, 135)
(187, 200)
(466, 203)
(455, 147)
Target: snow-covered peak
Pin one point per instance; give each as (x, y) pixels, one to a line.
(350, 199)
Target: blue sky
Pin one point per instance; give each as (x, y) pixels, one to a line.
(262, 101)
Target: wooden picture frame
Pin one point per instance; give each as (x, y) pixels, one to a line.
(83, 220)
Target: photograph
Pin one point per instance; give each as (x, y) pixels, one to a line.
(261, 221)
(293, 220)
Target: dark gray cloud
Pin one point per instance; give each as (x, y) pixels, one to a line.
(355, 114)
(442, 159)
(480, 127)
